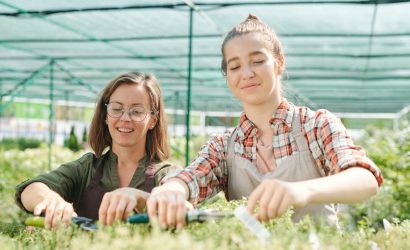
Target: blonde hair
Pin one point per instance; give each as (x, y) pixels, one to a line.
(156, 146)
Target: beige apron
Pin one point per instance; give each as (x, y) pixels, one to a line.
(244, 176)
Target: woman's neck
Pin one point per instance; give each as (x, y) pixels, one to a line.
(261, 114)
(129, 157)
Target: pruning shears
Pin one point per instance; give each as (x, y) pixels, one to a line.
(194, 215)
(91, 225)
(83, 222)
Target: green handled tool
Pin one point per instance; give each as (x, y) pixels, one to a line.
(90, 225)
(83, 222)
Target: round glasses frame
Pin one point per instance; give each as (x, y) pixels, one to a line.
(118, 114)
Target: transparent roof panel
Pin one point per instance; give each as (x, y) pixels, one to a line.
(346, 56)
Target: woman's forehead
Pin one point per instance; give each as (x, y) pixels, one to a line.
(131, 94)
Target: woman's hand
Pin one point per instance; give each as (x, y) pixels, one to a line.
(40, 199)
(56, 210)
(167, 204)
(275, 197)
(118, 204)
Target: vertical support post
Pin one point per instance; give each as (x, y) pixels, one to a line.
(51, 114)
(188, 113)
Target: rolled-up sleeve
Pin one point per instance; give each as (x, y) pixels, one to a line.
(66, 180)
(339, 151)
(207, 174)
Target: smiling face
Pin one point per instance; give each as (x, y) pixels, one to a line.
(123, 130)
(253, 74)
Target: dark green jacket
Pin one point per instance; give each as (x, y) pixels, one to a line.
(71, 179)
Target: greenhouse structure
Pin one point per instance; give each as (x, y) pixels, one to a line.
(351, 57)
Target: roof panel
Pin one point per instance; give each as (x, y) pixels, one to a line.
(346, 57)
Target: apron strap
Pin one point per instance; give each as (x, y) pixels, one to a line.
(230, 155)
(297, 132)
(149, 177)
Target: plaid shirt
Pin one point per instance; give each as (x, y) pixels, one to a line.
(331, 146)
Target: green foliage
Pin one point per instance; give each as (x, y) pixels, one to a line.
(391, 152)
(228, 233)
(17, 166)
(84, 138)
(19, 143)
(72, 141)
(178, 148)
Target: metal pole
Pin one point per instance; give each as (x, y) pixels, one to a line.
(188, 114)
(67, 118)
(51, 114)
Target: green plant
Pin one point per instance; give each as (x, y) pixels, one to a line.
(19, 143)
(391, 153)
(72, 141)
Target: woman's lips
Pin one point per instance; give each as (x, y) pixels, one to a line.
(250, 85)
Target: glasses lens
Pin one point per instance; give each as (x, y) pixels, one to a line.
(137, 113)
(115, 110)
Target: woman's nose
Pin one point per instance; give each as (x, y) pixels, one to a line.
(126, 116)
(247, 72)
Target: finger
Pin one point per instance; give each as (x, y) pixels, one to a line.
(120, 210)
(48, 219)
(188, 205)
(129, 208)
(254, 197)
(152, 204)
(181, 211)
(68, 213)
(162, 210)
(273, 206)
(172, 212)
(111, 210)
(265, 198)
(102, 211)
(58, 214)
(284, 205)
(39, 208)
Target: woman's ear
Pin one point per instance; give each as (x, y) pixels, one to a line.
(280, 67)
(153, 122)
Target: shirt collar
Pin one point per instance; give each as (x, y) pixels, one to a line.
(114, 158)
(283, 115)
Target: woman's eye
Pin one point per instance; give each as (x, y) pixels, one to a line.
(233, 67)
(258, 61)
(136, 112)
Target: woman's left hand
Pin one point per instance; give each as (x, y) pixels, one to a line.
(118, 204)
(275, 197)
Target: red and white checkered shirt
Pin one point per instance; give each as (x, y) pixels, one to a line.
(331, 146)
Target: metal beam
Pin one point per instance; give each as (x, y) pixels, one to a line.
(188, 114)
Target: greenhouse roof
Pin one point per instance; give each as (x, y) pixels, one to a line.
(346, 56)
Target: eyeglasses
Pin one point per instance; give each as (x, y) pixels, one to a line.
(136, 113)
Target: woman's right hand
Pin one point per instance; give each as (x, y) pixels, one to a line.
(167, 204)
(56, 210)
(40, 199)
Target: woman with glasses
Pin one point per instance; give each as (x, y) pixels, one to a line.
(128, 135)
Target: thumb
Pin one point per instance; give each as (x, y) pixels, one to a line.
(189, 206)
(39, 208)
